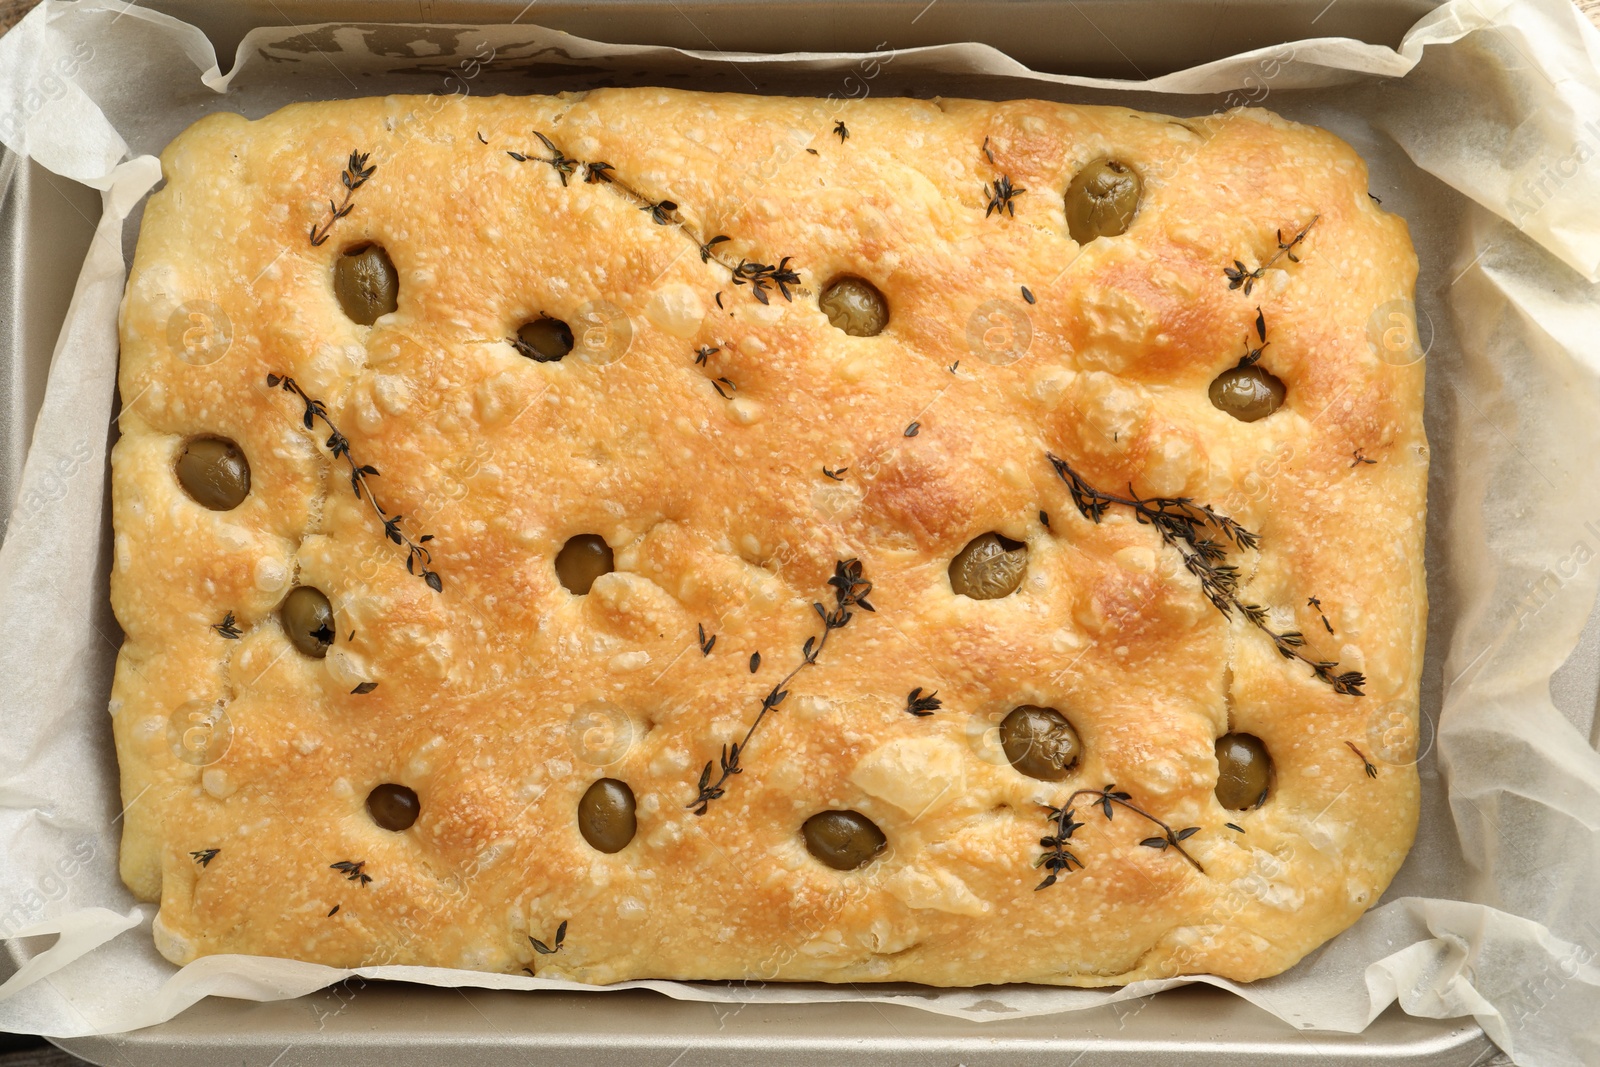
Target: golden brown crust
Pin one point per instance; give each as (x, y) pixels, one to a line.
(494, 696)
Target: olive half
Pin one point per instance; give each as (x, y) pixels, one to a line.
(844, 840)
(214, 471)
(583, 559)
(1247, 393)
(855, 306)
(366, 283)
(606, 815)
(1244, 771)
(545, 340)
(990, 567)
(308, 620)
(393, 807)
(1040, 742)
(1102, 200)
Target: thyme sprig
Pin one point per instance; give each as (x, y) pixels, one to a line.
(842, 130)
(835, 475)
(1060, 860)
(1239, 277)
(919, 705)
(546, 950)
(351, 869)
(1372, 772)
(706, 643)
(204, 856)
(417, 557)
(228, 628)
(759, 276)
(850, 591)
(355, 175)
(1187, 527)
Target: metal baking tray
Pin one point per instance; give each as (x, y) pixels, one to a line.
(46, 224)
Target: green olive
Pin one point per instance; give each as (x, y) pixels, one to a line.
(308, 620)
(1040, 742)
(990, 567)
(1247, 393)
(366, 284)
(855, 306)
(545, 340)
(1102, 200)
(214, 471)
(581, 560)
(844, 840)
(606, 816)
(393, 807)
(1244, 771)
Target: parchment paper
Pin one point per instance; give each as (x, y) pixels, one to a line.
(1482, 131)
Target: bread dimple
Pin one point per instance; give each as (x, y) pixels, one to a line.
(731, 451)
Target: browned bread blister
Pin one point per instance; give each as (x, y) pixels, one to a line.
(613, 316)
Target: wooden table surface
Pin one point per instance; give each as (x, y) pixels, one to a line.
(12, 10)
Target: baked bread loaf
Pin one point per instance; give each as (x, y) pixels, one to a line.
(654, 534)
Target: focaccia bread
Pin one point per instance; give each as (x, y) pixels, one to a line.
(721, 537)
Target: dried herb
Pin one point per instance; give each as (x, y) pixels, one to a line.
(557, 161)
(914, 429)
(1059, 860)
(227, 628)
(417, 557)
(1044, 519)
(755, 662)
(1372, 772)
(1186, 527)
(363, 689)
(1313, 602)
(351, 869)
(1002, 198)
(836, 475)
(704, 352)
(840, 129)
(706, 643)
(813, 151)
(1234, 826)
(954, 365)
(759, 275)
(1028, 295)
(1239, 277)
(1375, 199)
(545, 950)
(1358, 457)
(987, 154)
(665, 213)
(719, 299)
(1253, 355)
(849, 591)
(718, 384)
(355, 175)
(334, 910)
(920, 705)
(481, 141)
(705, 250)
(204, 856)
